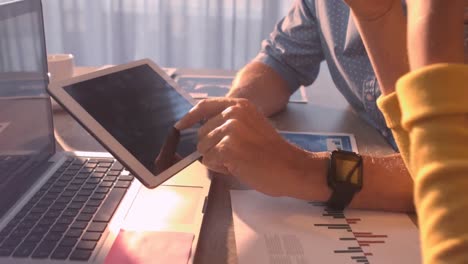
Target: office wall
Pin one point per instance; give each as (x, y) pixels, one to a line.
(192, 33)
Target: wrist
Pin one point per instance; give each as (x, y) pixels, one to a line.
(310, 182)
(262, 86)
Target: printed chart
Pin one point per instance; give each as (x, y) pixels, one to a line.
(274, 230)
(365, 240)
(317, 142)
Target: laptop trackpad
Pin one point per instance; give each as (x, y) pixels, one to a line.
(163, 207)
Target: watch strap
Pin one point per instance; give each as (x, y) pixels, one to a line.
(341, 196)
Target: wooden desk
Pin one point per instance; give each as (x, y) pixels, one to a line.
(327, 111)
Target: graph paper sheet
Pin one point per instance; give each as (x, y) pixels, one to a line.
(272, 230)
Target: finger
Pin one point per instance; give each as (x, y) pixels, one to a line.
(216, 168)
(213, 138)
(210, 125)
(214, 161)
(205, 109)
(232, 112)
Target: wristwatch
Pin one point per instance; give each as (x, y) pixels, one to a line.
(344, 178)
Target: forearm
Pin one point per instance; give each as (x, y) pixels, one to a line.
(385, 41)
(435, 23)
(263, 86)
(387, 184)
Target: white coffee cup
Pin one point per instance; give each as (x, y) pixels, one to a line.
(60, 66)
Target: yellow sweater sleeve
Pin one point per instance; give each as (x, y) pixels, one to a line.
(390, 108)
(434, 112)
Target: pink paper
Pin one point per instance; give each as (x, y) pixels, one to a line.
(138, 247)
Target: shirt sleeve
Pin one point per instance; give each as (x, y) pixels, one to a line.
(434, 107)
(294, 48)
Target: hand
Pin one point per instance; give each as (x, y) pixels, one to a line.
(371, 9)
(435, 32)
(238, 140)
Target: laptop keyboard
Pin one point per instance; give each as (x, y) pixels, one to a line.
(67, 217)
(9, 166)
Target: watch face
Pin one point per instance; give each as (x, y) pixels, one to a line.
(345, 167)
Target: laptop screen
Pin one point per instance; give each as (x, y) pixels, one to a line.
(26, 132)
(139, 109)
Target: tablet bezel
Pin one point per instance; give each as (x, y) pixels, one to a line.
(57, 91)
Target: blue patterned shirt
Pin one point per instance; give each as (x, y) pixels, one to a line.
(317, 30)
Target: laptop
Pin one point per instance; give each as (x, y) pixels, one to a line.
(74, 207)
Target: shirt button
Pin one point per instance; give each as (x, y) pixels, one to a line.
(369, 97)
(384, 133)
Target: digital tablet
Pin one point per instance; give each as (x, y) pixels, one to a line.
(131, 110)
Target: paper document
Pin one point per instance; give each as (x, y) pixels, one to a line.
(317, 142)
(271, 230)
(206, 86)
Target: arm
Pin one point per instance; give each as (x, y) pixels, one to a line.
(264, 87)
(439, 27)
(239, 141)
(387, 185)
(434, 103)
(290, 57)
(382, 25)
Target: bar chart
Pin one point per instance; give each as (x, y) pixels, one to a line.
(282, 230)
(365, 240)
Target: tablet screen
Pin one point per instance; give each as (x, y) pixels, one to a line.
(139, 108)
